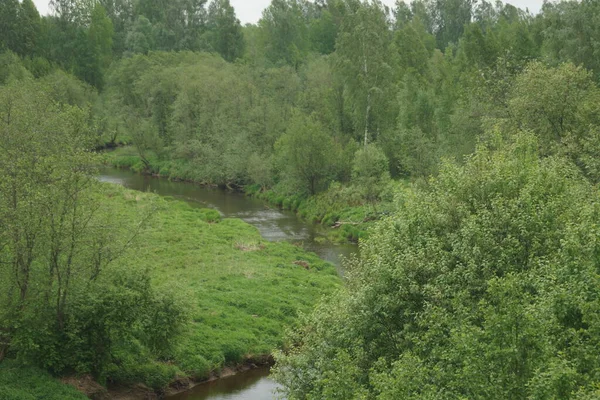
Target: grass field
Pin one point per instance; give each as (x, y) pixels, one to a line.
(241, 291)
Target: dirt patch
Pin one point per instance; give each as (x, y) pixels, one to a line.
(136, 392)
(249, 246)
(303, 264)
(88, 386)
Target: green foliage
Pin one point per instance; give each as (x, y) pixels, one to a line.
(284, 32)
(225, 31)
(561, 105)
(370, 172)
(481, 283)
(27, 383)
(570, 33)
(11, 68)
(64, 306)
(302, 155)
(241, 292)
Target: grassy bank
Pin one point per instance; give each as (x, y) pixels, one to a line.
(340, 207)
(239, 293)
(23, 383)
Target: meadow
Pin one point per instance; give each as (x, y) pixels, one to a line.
(232, 295)
(239, 292)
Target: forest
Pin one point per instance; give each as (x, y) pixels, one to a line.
(458, 141)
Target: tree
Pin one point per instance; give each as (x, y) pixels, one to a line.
(284, 32)
(323, 32)
(478, 284)
(448, 18)
(29, 26)
(570, 32)
(224, 30)
(304, 155)
(64, 305)
(100, 34)
(370, 172)
(9, 25)
(139, 38)
(561, 106)
(98, 50)
(362, 59)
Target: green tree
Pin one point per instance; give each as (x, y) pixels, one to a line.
(100, 34)
(303, 155)
(561, 105)
(64, 305)
(570, 32)
(370, 172)
(448, 18)
(473, 286)
(362, 59)
(29, 26)
(9, 25)
(224, 30)
(284, 32)
(139, 38)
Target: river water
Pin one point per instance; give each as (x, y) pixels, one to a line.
(273, 224)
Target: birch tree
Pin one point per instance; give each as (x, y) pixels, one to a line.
(363, 51)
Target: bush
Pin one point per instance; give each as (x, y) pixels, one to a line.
(210, 215)
(18, 382)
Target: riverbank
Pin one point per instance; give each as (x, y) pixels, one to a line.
(239, 291)
(341, 209)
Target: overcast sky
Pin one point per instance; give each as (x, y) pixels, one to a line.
(250, 10)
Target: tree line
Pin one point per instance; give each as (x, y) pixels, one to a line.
(482, 283)
(418, 82)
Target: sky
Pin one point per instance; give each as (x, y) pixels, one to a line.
(249, 11)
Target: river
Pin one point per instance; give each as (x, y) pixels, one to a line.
(273, 224)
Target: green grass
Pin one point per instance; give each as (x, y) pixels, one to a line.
(24, 383)
(242, 292)
(339, 203)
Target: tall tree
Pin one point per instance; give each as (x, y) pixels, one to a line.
(448, 18)
(284, 32)
(100, 34)
(9, 24)
(362, 59)
(224, 30)
(29, 26)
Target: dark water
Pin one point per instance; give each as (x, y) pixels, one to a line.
(273, 224)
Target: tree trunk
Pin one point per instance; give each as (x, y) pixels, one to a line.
(367, 113)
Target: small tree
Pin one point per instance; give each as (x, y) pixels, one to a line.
(370, 172)
(304, 155)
